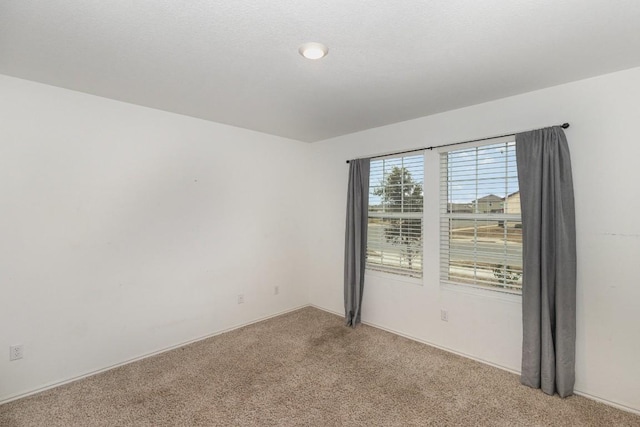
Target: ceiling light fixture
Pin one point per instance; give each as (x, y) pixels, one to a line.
(313, 50)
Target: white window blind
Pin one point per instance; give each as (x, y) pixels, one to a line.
(394, 243)
(481, 225)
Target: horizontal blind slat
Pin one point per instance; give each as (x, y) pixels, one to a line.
(480, 223)
(395, 215)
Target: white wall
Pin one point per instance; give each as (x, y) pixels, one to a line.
(126, 230)
(605, 149)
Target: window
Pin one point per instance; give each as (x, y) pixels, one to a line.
(481, 225)
(395, 215)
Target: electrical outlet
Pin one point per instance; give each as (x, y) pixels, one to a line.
(16, 352)
(276, 290)
(444, 315)
(240, 298)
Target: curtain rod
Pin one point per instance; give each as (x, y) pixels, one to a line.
(563, 126)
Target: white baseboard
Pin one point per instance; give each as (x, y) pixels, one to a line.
(144, 356)
(486, 362)
(412, 338)
(222, 331)
(607, 402)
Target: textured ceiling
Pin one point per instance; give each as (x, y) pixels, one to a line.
(237, 61)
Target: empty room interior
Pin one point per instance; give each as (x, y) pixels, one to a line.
(319, 213)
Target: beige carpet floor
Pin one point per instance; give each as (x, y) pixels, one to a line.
(305, 369)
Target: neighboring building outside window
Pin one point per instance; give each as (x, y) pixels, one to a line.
(481, 224)
(395, 215)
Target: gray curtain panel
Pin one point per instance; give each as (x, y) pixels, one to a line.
(355, 250)
(549, 257)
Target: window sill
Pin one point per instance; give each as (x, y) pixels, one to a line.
(392, 277)
(481, 292)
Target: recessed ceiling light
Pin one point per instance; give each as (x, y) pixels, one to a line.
(313, 50)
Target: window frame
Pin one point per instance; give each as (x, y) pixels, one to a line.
(445, 231)
(379, 270)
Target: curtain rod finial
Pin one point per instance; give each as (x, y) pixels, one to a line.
(565, 125)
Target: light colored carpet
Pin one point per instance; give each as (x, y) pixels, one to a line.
(306, 368)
